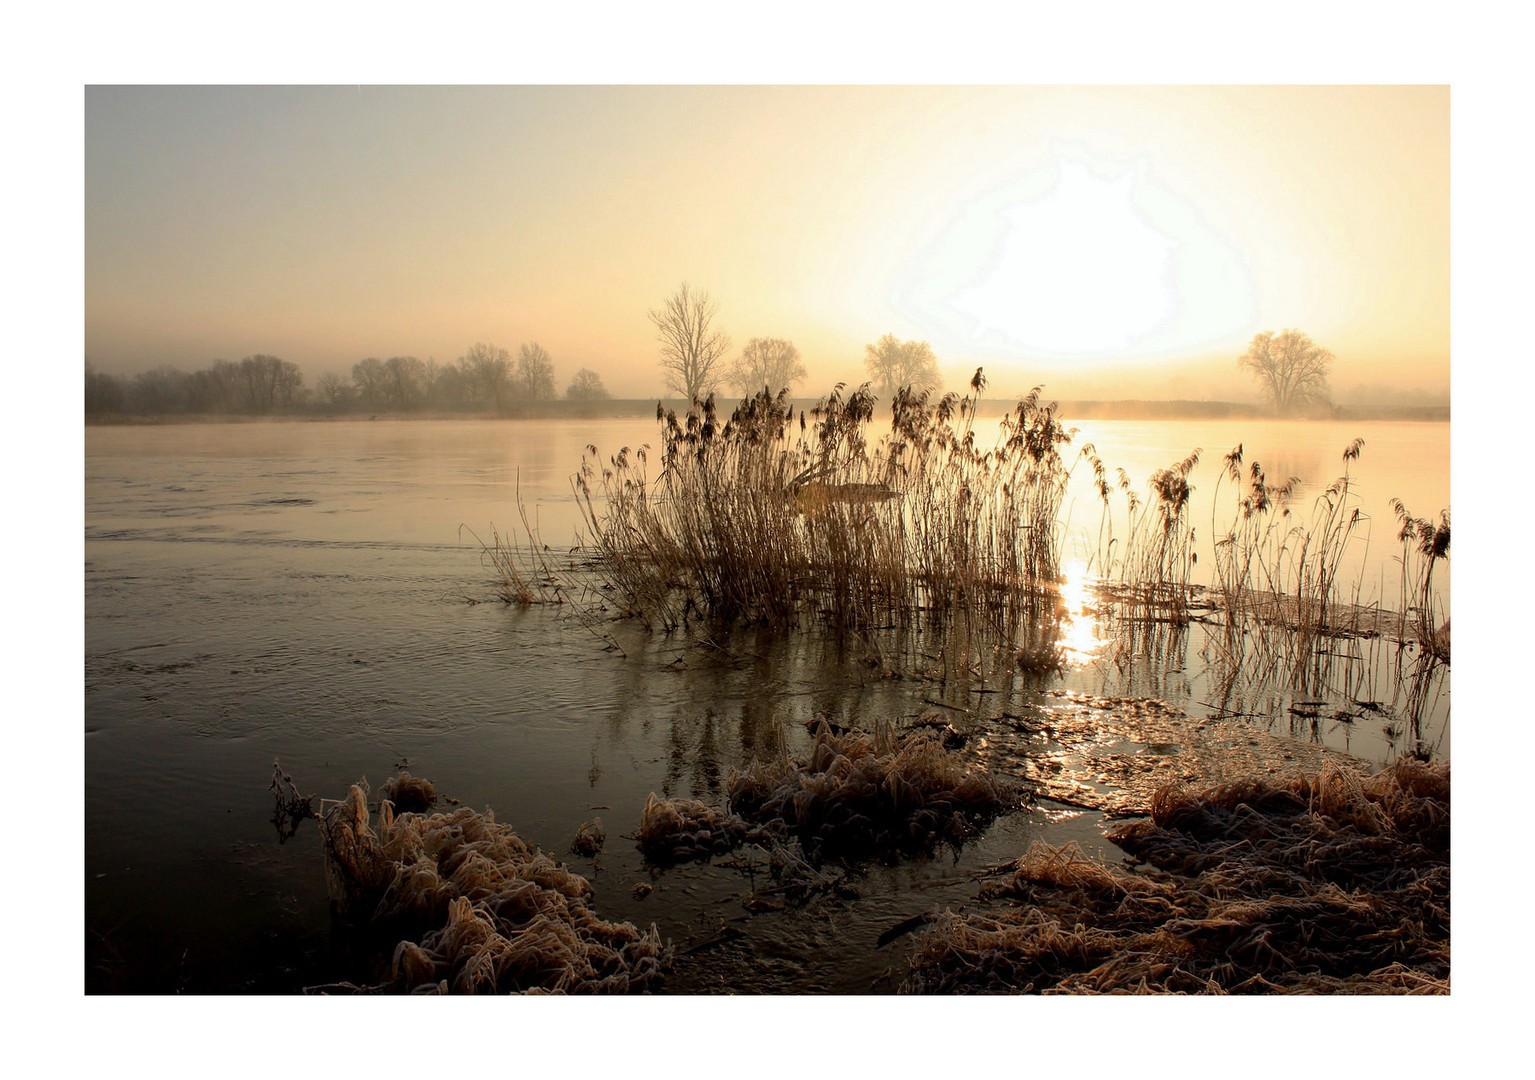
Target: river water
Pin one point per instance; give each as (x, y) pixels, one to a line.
(310, 592)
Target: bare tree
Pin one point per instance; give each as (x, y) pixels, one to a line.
(447, 383)
(372, 381)
(894, 364)
(1291, 369)
(535, 373)
(406, 381)
(103, 393)
(268, 383)
(766, 363)
(690, 347)
(586, 386)
(487, 372)
(214, 388)
(161, 390)
(335, 390)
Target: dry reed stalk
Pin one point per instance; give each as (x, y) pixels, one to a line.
(291, 806)
(1423, 545)
(1283, 618)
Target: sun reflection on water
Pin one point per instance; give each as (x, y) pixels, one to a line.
(1079, 641)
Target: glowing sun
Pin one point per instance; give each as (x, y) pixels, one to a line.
(1079, 270)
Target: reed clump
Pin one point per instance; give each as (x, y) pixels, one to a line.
(761, 518)
(880, 792)
(409, 794)
(1424, 544)
(1151, 570)
(1277, 580)
(473, 908)
(681, 830)
(1326, 883)
(590, 837)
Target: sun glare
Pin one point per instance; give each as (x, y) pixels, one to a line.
(1079, 632)
(1082, 256)
(1079, 270)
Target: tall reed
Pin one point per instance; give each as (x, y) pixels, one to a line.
(757, 518)
(1424, 544)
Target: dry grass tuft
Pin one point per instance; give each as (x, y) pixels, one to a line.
(410, 794)
(589, 838)
(879, 792)
(490, 914)
(680, 830)
(1329, 883)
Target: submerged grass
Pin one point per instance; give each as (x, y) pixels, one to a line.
(1325, 883)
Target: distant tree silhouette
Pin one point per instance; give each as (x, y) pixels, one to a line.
(445, 384)
(893, 364)
(1291, 369)
(372, 382)
(405, 382)
(487, 372)
(268, 384)
(103, 393)
(772, 363)
(586, 386)
(163, 389)
(535, 373)
(690, 346)
(334, 390)
(214, 389)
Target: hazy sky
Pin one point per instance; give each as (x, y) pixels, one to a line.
(1105, 241)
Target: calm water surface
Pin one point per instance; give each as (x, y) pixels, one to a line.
(304, 592)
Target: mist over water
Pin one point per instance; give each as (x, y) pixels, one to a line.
(304, 592)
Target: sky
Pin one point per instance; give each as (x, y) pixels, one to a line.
(1105, 241)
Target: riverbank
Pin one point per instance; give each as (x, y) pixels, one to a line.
(625, 408)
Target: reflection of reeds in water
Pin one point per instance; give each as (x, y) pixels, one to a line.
(489, 913)
(1332, 883)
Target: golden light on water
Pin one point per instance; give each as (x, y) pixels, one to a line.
(1079, 640)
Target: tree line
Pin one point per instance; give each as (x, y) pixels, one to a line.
(694, 355)
(486, 376)
(694, 358)
(1291, 369)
